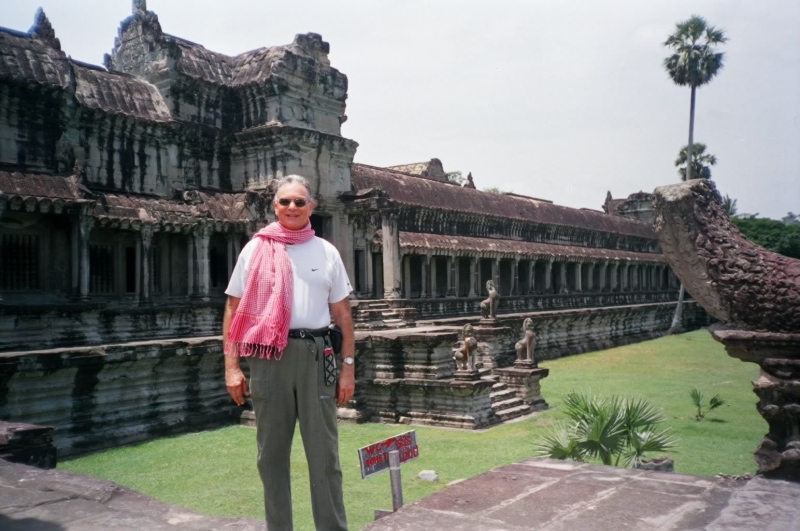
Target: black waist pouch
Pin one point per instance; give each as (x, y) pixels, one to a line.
(335, 334)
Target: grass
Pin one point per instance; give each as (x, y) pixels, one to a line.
(214, 472)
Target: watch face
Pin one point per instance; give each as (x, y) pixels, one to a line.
(348, 361)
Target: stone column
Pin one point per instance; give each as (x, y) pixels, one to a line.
(624, 277)
(391, 257)
(589, 277)
(146, 235)
(75, 260)
(473, 275)
(86, 224)
(548, 276)
(496, 273)
(603, 265)
(578, 279)
(426, 265)
(614, 283)
(369, 288)
(532, 277)
(515, 282)
(201, 236)
(406, 275)
(562, 275)
(190, 283)
(635, 278)
(452, 276)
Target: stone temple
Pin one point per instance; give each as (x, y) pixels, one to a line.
(127, 191)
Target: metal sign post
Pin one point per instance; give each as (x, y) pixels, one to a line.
(388, 455)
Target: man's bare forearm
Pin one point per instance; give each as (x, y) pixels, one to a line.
(231, 305)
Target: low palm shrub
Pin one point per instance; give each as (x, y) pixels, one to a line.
(613, 430)
(697, 399)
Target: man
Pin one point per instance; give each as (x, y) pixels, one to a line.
(284, 288)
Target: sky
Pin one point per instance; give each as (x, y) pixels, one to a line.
(562, 100)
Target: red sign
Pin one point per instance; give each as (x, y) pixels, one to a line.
(375, 457)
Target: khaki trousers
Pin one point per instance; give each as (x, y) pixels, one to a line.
(284, 391)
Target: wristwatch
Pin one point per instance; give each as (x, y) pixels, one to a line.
(349, 360)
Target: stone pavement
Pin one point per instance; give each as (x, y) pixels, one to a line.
(547, 495)
(32, 499)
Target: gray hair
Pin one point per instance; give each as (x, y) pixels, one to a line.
(277, 184)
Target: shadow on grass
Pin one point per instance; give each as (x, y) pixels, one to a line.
(718, 421)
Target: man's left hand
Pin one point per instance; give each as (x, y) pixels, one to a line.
(346, 385)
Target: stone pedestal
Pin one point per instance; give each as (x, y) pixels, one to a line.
(526, 384)
(495, 344)
(525, 364)
(778, 390)
(467, 375)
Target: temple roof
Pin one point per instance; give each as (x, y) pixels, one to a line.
(24, 57)
(468, 245)
(404, 189)
(32, 192)
(431, 169)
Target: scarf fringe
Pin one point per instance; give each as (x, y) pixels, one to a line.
(253, 350)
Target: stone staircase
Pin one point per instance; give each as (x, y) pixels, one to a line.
(505, 403)
(379, 315)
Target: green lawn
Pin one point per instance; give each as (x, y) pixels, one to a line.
(214, 472)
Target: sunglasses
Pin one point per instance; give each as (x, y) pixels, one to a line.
(299, 203)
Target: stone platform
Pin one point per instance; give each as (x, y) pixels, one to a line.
(547, 495)
(32, 499)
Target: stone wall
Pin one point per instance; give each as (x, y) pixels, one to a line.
(99, 397)
(24, 328)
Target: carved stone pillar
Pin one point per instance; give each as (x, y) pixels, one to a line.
(407, 275)
(532, 277)
(578, 284)
(201, 236)
(624, 277)
(473, 276)
(496, 273)
(515, 282)
(190, 269)
(86, 224)
(391, 257)
(426, 265)
(589, 277)
(614, 284)
(548, 276)
(146, 235)
(562, 277)
(452, 276)
(369, 290)
(635, 277)
(602, 277)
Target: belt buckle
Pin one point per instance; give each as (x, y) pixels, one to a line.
(302, 334)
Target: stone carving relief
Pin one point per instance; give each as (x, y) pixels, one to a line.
(489, 305)
(756, 295)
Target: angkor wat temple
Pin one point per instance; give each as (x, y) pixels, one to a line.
(126, 192)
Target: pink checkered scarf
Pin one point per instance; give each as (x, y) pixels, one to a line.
(260, 326)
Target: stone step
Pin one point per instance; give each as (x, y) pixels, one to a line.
(498, 386)
(510, 403)
(514, 412)
(501, 395)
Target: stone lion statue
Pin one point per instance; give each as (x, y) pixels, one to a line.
(489, 306)
(465, 356)
(525, 346)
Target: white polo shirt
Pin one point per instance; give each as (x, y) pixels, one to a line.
(319, 278)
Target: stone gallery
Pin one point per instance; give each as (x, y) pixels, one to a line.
(127, 191)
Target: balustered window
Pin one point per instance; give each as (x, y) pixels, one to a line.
(101, 268)
(20, 258)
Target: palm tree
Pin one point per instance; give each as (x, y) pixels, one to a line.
(613, 430)
(694, 62)
(729, 204)
(701, 162)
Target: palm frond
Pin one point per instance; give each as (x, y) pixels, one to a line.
(557, 443)
(715, 402)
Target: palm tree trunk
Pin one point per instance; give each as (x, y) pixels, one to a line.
(689, 148)
(678, 317)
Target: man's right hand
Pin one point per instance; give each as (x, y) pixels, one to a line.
(236, 384)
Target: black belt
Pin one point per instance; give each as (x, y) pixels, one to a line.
(302, 333)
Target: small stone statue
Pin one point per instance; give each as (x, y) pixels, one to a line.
(465, 356)
(489, 306)
(525, 346)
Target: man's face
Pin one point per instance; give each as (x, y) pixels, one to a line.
(290, 215)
